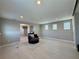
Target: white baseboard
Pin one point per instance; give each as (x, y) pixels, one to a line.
(41, 38)
(10, 44)
(72, 42)
(59, 40)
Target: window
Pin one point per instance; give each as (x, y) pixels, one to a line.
(67, 26)
(54, 26)
(46, 27)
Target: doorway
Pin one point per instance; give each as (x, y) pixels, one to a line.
(24, 30)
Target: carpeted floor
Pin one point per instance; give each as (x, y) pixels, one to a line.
(45, 49)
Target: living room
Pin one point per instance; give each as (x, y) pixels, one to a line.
(44, 29)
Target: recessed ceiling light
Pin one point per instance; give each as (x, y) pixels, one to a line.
(21, 17)
(38, 2)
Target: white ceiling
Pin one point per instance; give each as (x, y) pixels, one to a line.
(49, 10)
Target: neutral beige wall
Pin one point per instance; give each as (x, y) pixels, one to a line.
(36, 29)
(60, 33)
(10, 30)
(77, 27)
(0, 35)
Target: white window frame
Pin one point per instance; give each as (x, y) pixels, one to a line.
(67, 25)
(46, 27)
(54, 27)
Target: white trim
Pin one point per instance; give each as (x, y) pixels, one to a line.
(74, 35)
(59, 40)
(10, 44)
(56, 20)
